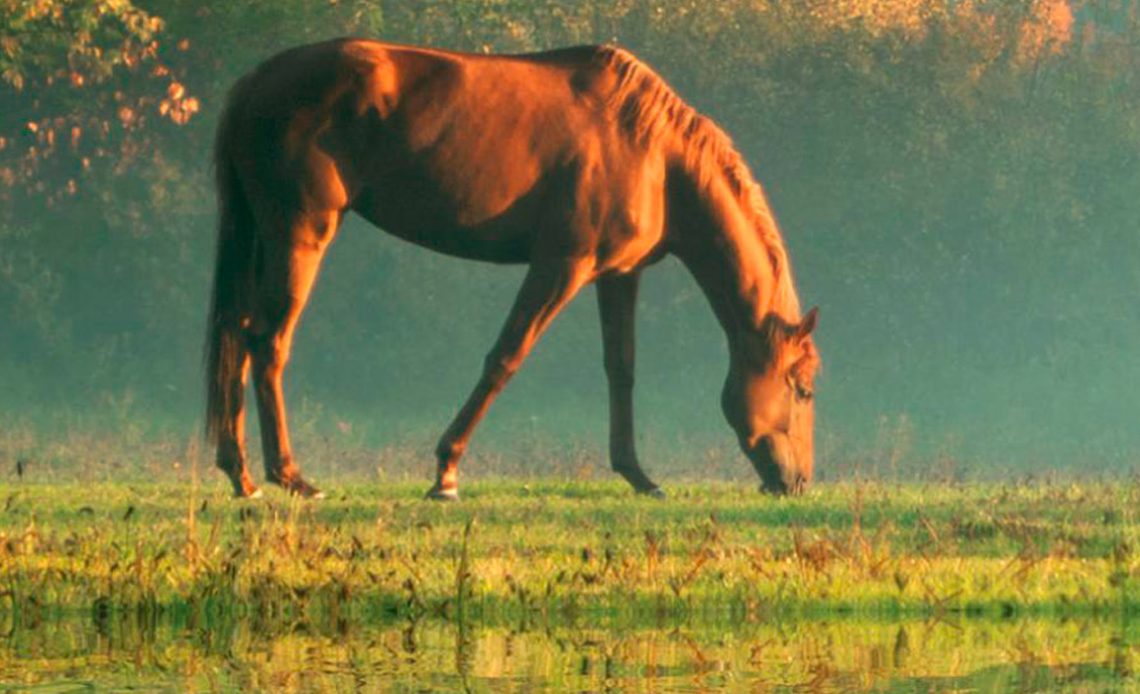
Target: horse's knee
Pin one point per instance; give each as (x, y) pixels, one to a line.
(498, 368)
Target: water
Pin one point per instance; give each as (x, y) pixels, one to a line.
(82, 653)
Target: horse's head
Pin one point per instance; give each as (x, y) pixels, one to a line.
(767, 399)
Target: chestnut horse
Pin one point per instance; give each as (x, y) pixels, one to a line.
(580, 162)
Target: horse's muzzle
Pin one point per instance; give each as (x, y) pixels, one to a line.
(774, 460)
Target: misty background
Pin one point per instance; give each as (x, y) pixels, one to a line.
(958, 183)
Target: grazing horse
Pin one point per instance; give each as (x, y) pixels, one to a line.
(580, 162)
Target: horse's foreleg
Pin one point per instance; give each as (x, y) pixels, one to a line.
(617, 300)
(289, 271)
(547, 288)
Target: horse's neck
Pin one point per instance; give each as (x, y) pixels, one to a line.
(733, 264)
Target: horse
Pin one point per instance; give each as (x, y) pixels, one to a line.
(582, 163)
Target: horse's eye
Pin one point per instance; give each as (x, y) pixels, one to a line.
(802, 393)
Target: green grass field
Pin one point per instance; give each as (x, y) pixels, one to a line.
(558, 551)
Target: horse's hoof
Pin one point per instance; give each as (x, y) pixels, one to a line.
(653, 493)
(301, 488)
(438, 494)
(252, 493)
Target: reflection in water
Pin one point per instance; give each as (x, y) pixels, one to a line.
(846, 655)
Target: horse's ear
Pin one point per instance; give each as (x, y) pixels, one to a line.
(807, 325)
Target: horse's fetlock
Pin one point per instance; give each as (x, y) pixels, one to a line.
(448, 451)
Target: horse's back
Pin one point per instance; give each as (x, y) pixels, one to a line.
(406, 86)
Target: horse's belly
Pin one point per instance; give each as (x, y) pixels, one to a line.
(466, 243)
(430, 224)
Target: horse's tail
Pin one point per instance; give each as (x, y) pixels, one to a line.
(226, 348)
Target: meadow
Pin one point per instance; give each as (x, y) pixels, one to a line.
(555, 584)
(555, 550)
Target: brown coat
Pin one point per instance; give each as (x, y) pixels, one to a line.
(580, 162)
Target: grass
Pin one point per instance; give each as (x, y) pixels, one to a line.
(557, 552)
(555, 585)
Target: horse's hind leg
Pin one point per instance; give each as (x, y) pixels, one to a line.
(291, 256)
(617, 299)
(548, 286)
(231, 442)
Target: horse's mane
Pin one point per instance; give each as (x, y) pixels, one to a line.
(647, 107)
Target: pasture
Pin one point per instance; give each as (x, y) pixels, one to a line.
(554, 550)
(571, 584)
